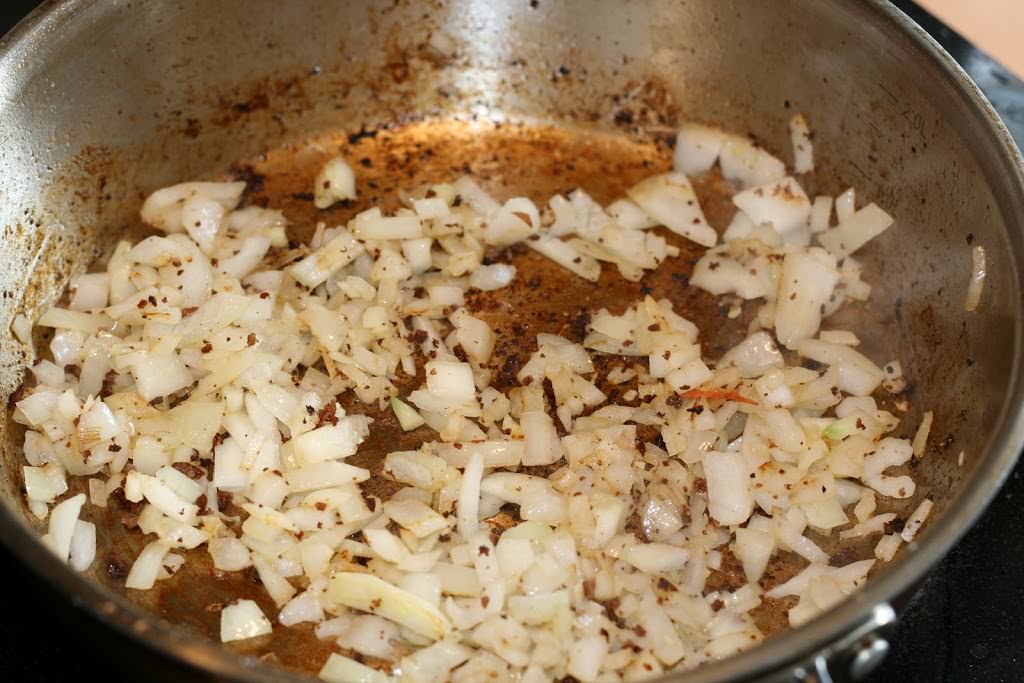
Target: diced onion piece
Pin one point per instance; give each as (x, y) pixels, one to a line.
(586, 656)
(147, 566)
(506, 226)
(324, 475)
(697, 148)
(331, 442)
(976, 284)
(781, 203)
(339, 669)
(475, 196)
(451, 381)
(304, 607)
(821, 212)
(543, 446)
(163, 209)
(64, 319)
(568, 257)
(417, 517)
(83, 546)
(887, 546)
(803, 149)
(229, 554)
(371, 594)
(325, 261)
(808, 280)
(63, 521)
(163, 498)
(371, 225)
(44, 484)
(754, 356)
(494, 453)
(669, 198)
(920, 441)
(433, 663)
(627, 214)
(753, 548)
(469, 496)
(916, 520)
(89, 291)
(655, 558)
(744, 162)
(535, 496)
(490, 277)
(846, 205)
(160, 374)
(243, 620)
(854, 232)
(857, 374)
(730, 500)
(276, 585)
(334, 183)
(406, 415)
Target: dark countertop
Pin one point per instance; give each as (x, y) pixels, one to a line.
(963, 625)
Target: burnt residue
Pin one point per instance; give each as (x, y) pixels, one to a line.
(253, 181)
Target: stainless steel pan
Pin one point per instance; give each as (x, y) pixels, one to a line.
(102, 102)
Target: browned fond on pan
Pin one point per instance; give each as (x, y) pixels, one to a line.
(509, 160)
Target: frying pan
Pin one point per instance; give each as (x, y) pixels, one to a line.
(103, 102)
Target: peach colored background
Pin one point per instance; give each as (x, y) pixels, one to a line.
(996, 26)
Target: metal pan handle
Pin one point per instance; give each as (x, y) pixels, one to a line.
(855, 655)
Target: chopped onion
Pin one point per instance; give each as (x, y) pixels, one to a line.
(334, 183)
(63, 523)
(977, 282)
(89, 292)
(406, 415)
(569, 258)
(803, 149)
(494, 453)
(670, 199)
(418, 518)
(920, 442)
(65, 319)
(781, 203)
(469, 495)
(320, 265)
(821, 212)
(147, 565)
(855, 231)
(887, 546)
(491, 277)
(229, 554)
(655, 558)
(371, 594)
(916, 520)
(500, 543)
(697, 148)
(542, 444)
(806, 285)
(746, 163)
(339, 669)
(83, 546)
(243, 620)
(305, 607)
(730, 500)
(450, 381)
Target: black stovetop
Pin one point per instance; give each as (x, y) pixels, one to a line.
(963, 625)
